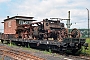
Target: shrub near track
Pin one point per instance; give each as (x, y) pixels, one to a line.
(88, 41)
(87, 51)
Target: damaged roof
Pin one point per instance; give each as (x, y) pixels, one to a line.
(20, 17)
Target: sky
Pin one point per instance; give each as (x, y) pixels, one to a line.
(42, 9)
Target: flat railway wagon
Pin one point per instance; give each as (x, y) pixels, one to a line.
(47, 34)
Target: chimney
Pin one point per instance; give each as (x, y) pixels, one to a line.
(7, 17)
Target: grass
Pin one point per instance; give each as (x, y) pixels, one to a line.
(88, 41)
(30, 49)
(47, 52)
(88, 49)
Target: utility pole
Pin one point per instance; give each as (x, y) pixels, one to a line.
(68, 21)
(88, 22)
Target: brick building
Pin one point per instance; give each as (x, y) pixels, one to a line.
(12, 23)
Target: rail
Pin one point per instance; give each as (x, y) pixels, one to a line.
(18, 54)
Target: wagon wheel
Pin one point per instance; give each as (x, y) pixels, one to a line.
(64, 33)
(75, 33)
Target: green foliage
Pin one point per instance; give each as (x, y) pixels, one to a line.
(11, 44)
(47, 52)
(28, 46)
(88, 41)
(50, 51)
(87, 51)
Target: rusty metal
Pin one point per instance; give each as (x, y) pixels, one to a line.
(46, 29)
(18, 54)
(75, 33)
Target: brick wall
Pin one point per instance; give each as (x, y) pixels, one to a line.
(9, 26)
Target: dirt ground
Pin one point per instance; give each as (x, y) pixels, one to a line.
(43, 54)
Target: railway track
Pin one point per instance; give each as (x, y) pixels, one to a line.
(81, 57)
(18, 54)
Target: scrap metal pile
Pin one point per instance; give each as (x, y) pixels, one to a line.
(45, 30)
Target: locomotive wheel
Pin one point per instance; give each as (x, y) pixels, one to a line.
(75, 33)
(64, 33)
